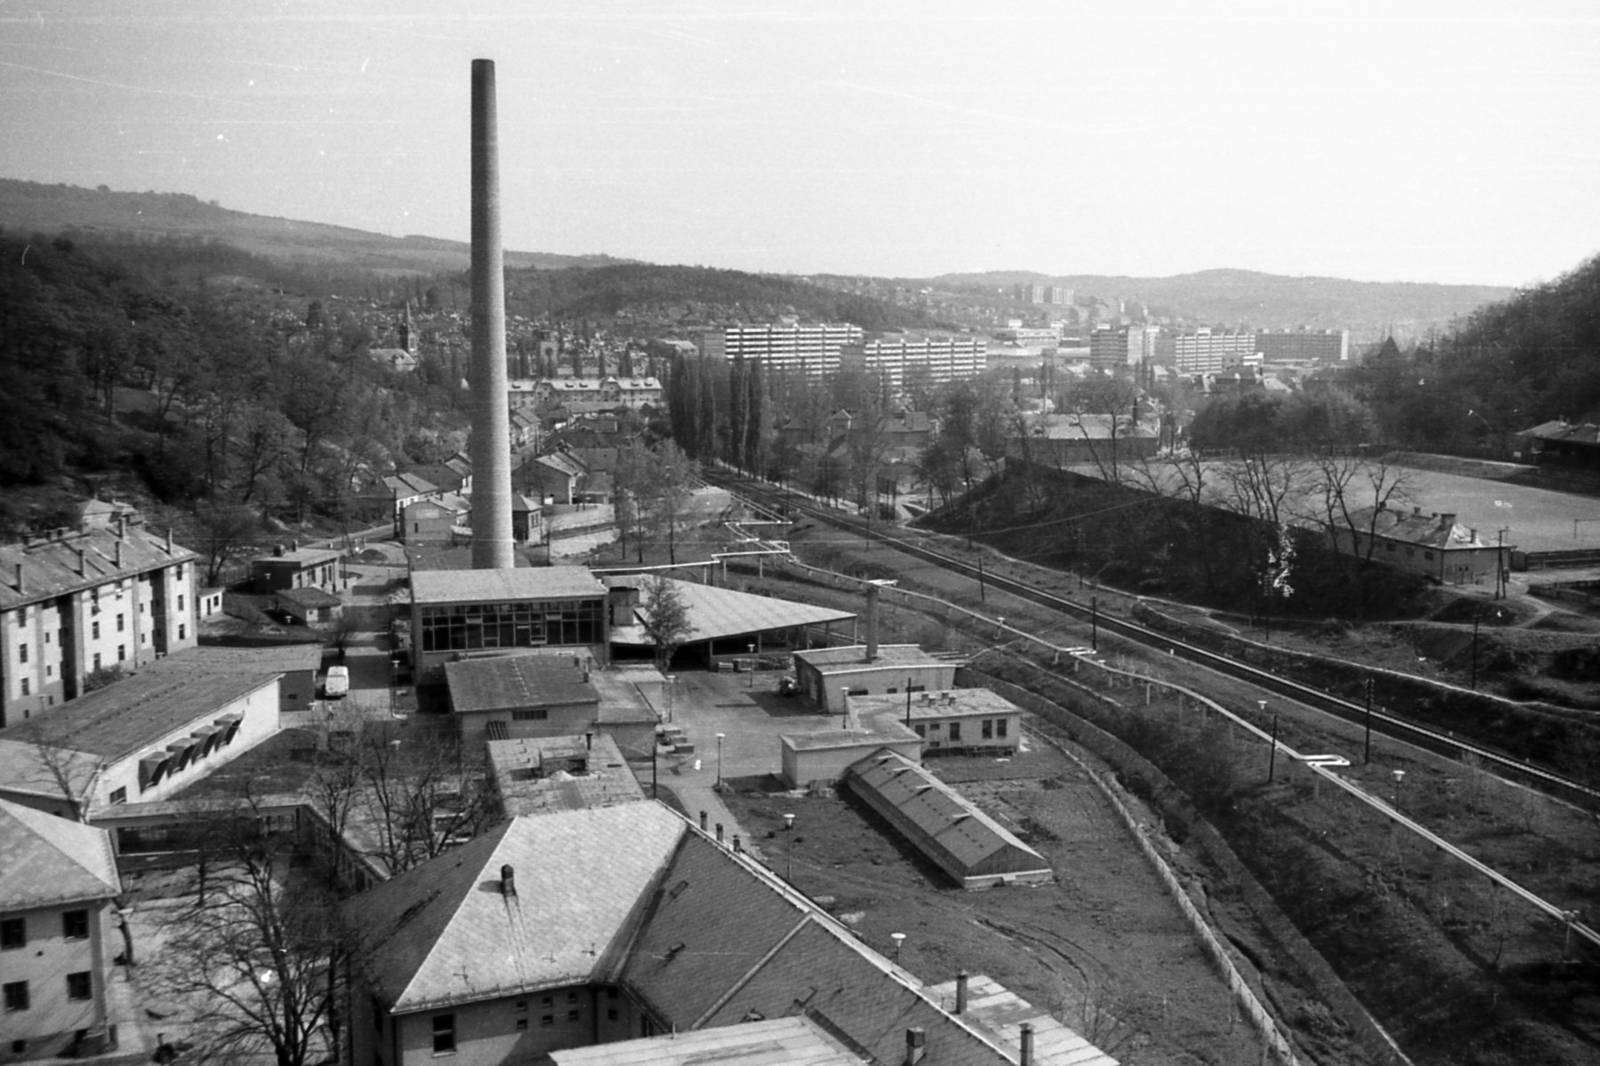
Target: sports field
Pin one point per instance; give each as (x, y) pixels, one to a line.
(1535, 520)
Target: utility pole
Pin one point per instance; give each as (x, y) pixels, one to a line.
(1272, 758)
(1367, 757)
(1477, 616)
(1094, 623)
(982, 595)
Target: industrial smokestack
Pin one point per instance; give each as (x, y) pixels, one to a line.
(491, 418)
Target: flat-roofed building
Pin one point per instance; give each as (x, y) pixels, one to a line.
(295, 567)
(1208, 352)
(769, 1042)
(536, 775)
(464, 611)
(965, 721)
(76, 603)
(785, 346)
(1304, 345)
(823, 673)
(925, 358)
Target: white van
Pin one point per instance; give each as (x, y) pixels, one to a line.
(337, 685)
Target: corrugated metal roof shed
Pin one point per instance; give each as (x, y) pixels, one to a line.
(947, 827)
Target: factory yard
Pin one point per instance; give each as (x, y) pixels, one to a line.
(1104, 948)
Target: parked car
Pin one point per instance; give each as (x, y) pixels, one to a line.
(337, 684)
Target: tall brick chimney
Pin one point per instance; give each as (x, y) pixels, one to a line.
(491, 417)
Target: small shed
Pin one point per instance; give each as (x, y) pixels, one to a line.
(966, 721)
(296, 568)
(311, 607)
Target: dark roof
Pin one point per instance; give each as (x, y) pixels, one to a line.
(131, 712)
(299, 558)
(53, 566)
(1440, 531)
(634, 895)
(409, 485)
(1561, 430)
(51, 860)
(509, 682)
(947, 826)
(310, 597)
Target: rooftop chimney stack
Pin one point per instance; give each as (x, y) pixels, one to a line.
(1027, 1044)
(19, 578)
(491, 416)
(961, 992)
(917, 1045)
(508, 881)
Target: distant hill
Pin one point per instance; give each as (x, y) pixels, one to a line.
(693, 296)
(27, 206)
(1234, 297)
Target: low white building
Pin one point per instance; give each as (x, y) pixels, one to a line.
(139, 739)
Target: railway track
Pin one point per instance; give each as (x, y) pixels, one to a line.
(1381, 721)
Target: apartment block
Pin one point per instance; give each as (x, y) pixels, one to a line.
(1207, 352)
(784, 346)
(932, 358)
(76, 602)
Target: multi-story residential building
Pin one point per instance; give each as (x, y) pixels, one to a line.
(1129, 346)
(73, 603)
(1304, 346)
(785, 346)
(610, 391)
(55, 903)
(932, 358)
(1206, 352)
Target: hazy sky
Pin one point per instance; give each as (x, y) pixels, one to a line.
(1456, 141)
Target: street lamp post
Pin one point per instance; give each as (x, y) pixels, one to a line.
(719, 761)
(672, 691)
(1399, 779)
(752, 648)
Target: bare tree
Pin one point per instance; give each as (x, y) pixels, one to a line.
(416, 798)
(257, 958)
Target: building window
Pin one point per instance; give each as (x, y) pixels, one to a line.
(22, 652)
(16, 995)
(572, 1015)
(611, 1014)
(119, 795)
(183, 632)
(955, 730)
(180, 602)
(1428, 556)
(97, 660)
(444, 1034)
(999, 727)
(75, 924)
(94, 630)
(122, 622)
(122, 653)
(22, 616)
(920, 730)
(538, 714)
(547, 1019)
(26, 688)
(79, 986)
(988, 729)
(13, 933)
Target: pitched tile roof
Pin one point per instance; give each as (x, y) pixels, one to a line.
(70, 561)
(634, 895)
(1423, 530)
(51, 860)
(771, 1042)
(443, 933)
(168, 694)
(510, 682)
(942, 823)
